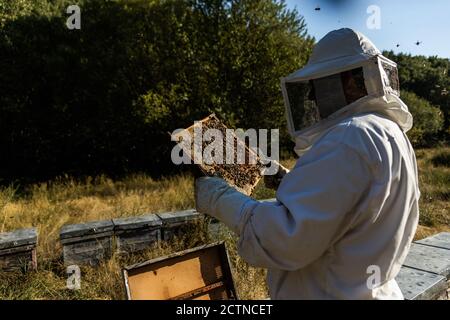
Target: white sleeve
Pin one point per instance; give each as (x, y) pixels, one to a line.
(313, 201)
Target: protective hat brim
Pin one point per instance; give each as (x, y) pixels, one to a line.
(326, 68)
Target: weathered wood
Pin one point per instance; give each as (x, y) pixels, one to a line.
(420, 285)
(130, 223)
(85, 229)
(18, 238)
(441, 240)
(13, 250)
(87, 243)
(87, 237)
(91, 252)
(172, 222)
(428, 258)
(199, 292)
(18, 250)
(137, 233)
(178, 217)
(203, 272)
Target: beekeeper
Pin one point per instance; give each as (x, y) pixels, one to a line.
(345, 215)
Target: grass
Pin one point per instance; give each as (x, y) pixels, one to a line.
(48, 206)
(434, 180)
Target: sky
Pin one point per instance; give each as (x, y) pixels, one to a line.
(401, 22)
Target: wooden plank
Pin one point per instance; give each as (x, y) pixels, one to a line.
(178, 217)
(18, 238)
(430, 259)
(91, 252)
(199, 292)
(420, 285)
(13, 250)
(146, 221)
(84, 229)
(88, 237)
(173, 222)
(440, 240)
(137, 240)
(18, 261)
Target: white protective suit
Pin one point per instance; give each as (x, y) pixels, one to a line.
(347, 208)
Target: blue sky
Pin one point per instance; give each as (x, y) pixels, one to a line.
(402, 22)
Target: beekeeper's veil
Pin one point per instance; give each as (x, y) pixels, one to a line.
(315, 98)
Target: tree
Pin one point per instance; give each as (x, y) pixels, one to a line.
(428, 120)
(427, 77)
(102, 99)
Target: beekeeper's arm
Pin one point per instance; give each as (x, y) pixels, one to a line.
(313, 201)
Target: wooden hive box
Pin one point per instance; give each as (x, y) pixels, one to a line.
(202, 273)
(174, 222)
(137, 233)
(18, 250)
(87, 243)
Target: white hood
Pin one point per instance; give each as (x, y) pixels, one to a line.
(338, 51)
(389, 106)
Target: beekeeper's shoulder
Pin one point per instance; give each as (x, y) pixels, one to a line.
(367, 135)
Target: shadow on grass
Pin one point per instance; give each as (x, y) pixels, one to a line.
(441, 159)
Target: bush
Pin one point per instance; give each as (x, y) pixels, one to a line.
(428, 120)
(427, 77)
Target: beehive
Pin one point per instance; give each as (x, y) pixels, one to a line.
(245, 176)
(18, 250)
(87, 243)
(137, 233)
(174, 222)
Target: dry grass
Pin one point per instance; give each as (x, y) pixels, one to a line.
(51, 205)
(434, 179)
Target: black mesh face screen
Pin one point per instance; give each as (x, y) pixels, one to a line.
(302, 105)
(358, 76)
(317, 99)
(392, 75)
(330, 95)
(353, 84)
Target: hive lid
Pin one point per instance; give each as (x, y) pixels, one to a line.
(18, 238)
(441, 240)
(428, 258)
(88, 228)
(178, 216)
(150, 220)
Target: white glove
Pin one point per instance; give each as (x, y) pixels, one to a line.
(273, 181)
(215, 197)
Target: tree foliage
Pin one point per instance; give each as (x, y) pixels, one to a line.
(427, 77)
(102, 99)
(428, 120)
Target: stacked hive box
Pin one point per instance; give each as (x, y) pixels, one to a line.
(137, 233)
(90, 243)
(18, 250)
(87, 243)
(174, 222)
